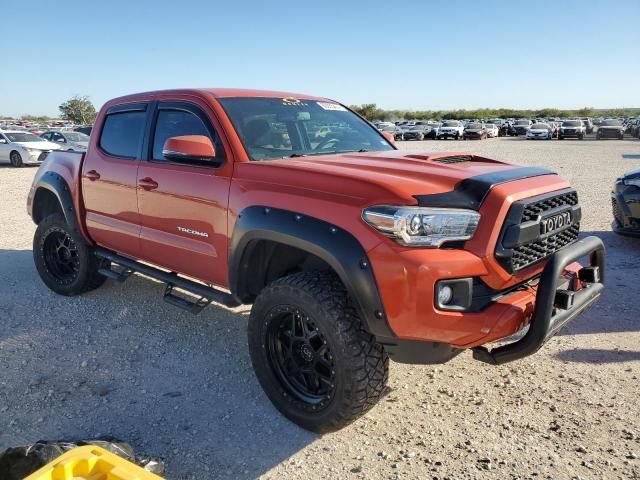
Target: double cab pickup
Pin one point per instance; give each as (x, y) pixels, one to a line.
(349, 250)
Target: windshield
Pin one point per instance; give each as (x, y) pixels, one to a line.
(451, 124)
(23, 137)
(522, 122)
(572, 123)
(612, 123)
(76, 137)
(540, 126)
(474, 125)
(272, 128)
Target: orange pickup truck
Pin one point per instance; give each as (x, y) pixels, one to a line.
(350, 251)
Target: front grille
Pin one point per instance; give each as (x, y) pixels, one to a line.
(533, 210)
(522, 242)
(525, 255)
(617, 211)
(454, 159)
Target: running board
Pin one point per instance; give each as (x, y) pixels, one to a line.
(173, 280)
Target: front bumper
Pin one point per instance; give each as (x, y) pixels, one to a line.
(435, 336)
(625, 204)
(36, 157)
(555, 307)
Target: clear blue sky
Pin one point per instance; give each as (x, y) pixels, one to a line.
(399, 54)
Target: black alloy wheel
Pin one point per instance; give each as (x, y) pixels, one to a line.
(61, 256)
(299, 355)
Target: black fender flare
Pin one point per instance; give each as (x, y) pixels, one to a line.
(337, 247)
(54, 183)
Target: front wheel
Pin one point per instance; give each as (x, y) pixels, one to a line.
(66, 264)
(16, 159)
(311, 354)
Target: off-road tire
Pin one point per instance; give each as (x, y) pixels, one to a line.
(16, 159)
(86, 277)
(361, 365)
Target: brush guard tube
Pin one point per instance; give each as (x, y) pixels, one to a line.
(555, 307)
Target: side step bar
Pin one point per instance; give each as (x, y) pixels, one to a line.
(207, 294)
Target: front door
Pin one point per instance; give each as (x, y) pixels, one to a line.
(183, 206)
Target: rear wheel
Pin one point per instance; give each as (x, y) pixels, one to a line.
(66, 264)
(16, 159)
(311, 354)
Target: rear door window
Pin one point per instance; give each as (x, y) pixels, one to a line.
(122, 134)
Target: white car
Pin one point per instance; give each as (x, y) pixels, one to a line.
(23, 148)
(492, 130)
(540, 131)
(72, 141)
(451, 128)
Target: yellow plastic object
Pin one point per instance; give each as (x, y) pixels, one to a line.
(91, 463)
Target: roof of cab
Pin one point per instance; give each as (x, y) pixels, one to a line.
(213, 92)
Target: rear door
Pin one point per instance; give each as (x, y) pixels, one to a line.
(109, 179)
(183, 206)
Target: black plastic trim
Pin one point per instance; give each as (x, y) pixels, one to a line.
(418, 353)
(338, 248)
(472, 191)
(548, 318)
(55, 184)
(128, 107)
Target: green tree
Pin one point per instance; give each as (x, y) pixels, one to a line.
(78, 110)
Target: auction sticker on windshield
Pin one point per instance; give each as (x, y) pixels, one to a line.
(332, 106)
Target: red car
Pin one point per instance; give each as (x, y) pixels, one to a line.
(350, 250)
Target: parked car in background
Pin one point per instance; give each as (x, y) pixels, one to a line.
(432, 130)
(492, 130)
(417, 132)
(391, 128)
(520, 127)
(541, 131)
(625, 201)
(610, 128)
(70, 141)
(571, 129)
(23, 148)
(85, 130)
(474, 130)
(588, 125)
(451, 129)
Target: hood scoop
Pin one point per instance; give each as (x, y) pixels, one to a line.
(454, 159)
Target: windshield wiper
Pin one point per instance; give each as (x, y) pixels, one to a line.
(296, 155)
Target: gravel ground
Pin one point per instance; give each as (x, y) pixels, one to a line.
(120, 362)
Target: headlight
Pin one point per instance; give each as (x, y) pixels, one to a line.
(32, 151)
(424, 227)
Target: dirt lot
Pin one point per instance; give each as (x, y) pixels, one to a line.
(120, 362)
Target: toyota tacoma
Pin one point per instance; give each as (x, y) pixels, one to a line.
(350, 251)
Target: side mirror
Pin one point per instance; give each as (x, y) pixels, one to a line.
(189, 147)
(3, 140)
(61, 140)
(390, 138)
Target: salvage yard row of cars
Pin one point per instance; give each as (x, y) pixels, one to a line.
(22, 147)
(544, 129)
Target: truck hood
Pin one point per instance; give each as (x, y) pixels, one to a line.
(371, 177)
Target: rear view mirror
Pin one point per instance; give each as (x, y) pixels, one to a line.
(390, 138)
(188, 147)
(293, 116)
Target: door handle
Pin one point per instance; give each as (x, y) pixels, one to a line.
(148, 183)
(92, 175)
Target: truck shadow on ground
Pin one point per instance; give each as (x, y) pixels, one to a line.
(617, 310)
(597, 356)
(118, 361)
